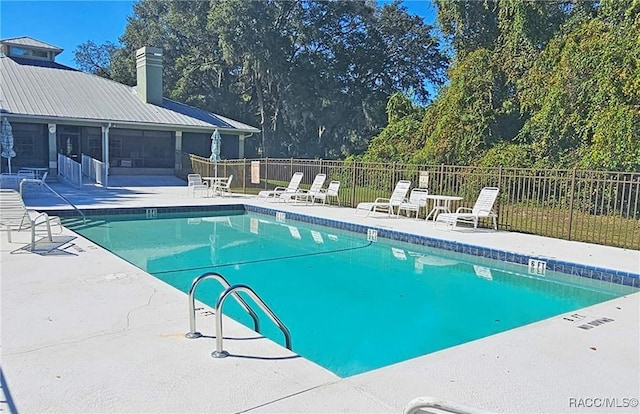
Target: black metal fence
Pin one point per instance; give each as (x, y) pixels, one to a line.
(592, 206)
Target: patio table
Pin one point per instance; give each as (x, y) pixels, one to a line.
(213, 181)
(441, 204)
(38, 172)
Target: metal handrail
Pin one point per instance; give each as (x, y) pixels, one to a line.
(192, 303)
(40, 182)
(423, 405)
(219, 352)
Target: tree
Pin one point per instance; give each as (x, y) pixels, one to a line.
(96, 59)
(320, 72)
(551, 83)
(315, 75)
(583, 93)
(401, 138)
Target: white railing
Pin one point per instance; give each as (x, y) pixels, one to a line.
(93, 169)
(69, 170)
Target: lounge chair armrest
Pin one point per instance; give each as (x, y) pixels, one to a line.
(37, 216)
(382, 200)
(462, 209)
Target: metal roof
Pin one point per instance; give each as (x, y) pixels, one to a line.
(30, 42)
(54, 92)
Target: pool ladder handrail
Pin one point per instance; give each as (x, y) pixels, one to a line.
(45, 185)
(192, 303)
(219, 352)
(230, 290)
(424, 404)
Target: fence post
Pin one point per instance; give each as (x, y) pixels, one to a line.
(244, 176)
(353, 180)
(393, 175)
(502, 192)
(266, 172)
(571, 195)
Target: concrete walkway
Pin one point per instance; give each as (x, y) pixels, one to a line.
(84, 331)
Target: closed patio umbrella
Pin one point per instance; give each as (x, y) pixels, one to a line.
(216, 140)
(6, 139)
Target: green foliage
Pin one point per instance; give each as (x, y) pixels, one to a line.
(401, 138)
(396, 143)
(470, 25)
(583, 97)
(460, 124)
(546, 84)
(508, 155)
(94, 58)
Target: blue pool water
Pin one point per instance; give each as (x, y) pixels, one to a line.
(351, 305)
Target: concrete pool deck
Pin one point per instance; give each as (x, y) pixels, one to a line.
(84, 331)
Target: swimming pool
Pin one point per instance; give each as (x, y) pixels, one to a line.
(352, 305)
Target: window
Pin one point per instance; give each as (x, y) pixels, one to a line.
(30, 142)
(115, 147)
(94, 147)
(19, 51)
(142, 149)
(92, 142)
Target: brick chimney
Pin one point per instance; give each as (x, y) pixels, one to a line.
(149, 71)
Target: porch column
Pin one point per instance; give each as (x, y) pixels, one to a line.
(53, 149)
(178, 158)
(241, 146)
(105, 153)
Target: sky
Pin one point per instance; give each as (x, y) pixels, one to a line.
(68, 24)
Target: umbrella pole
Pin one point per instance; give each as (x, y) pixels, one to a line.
(9, 162)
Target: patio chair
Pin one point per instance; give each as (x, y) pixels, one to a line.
(417, 200)
(331, 191)
(22, 174)
(195, 184)
(306, 195)
(483, 208)
(386, 204)
(278, 191)
(14, 216)
(223, 188)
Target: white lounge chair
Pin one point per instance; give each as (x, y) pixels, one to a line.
(278, 191)
(331, 191)
(483, 208)
(306, 195)
(223, 188)
(195, 184)
(417, 200)
(386, 204)
(14, 216)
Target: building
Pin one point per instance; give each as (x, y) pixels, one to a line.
(54, 109)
